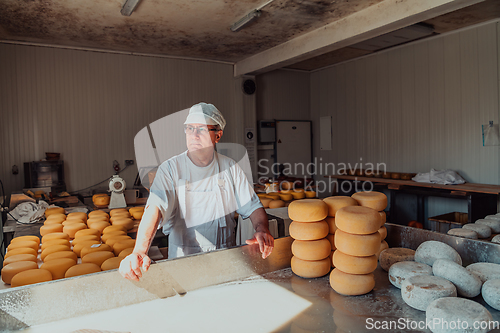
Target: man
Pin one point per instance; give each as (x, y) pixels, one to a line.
(194, 196)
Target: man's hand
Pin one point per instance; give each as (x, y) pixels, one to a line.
(265, 241)
(130, 266)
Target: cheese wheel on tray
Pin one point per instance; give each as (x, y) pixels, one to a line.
(493, 224)
(310, 268)
(496, 239)
(357, 245)
(298, 195)
(122, 245)
(430, 251)
(117, 211)
(82, 269)
(421, 290)
(86, 232)
(467, 283)
(21, 250)
(311, 250)
(372, 199)
(351, 284)
(31, 276)
(58, 267)
(55, 242)
(308, 230)
(483, 231)
(461, 232)
(276, 204)
(310, 194)
(19, 257)
(81, 215)
(23, 244)
(12, 269)
(50, 228)
(307, 210)
(126, 222)
(35, 239)
(491, 293)
(60, 255)
(99, 225)
(79, 247)
(97, 212)
(53, 249)
(125, 252)
(389, 257)
(72, 228)
(54, 210)
(111, 263)
(55, 235)
(338, 202)
(485, 271)
(358, 220)
(354, 265)
(403, 270)
(95, 248)
(111, 241)
(85, 238)
(97, 257)
(108, 235)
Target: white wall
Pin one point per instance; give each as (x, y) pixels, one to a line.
(416, 107)
(88, 106)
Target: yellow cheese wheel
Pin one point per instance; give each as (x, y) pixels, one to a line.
(12, 269)
(120, 216)
(52, 249)
(58, 267)
(126, 222)
(118, 211)
(286, 196)
(72, 228)
(19, 257)
(351, 284)
(111, 263)
(95, 248)
(357, 245)
(101, 201)
(86, 232)
(57, 217)
(354, 265)
(55, 235)
(311, 250)
(331, 239)
(265, 202)
(307, 210)
(122, 245)
(55, 242)
(73, 221)
(79, 247)
(298, 195)
(108, 235)
(31, 276)
(331, 257)
(54, 210)
(82, 269)
(331, 224)
(26, 238)
(274, 196)
(97, 257)
(276, 204)
(262, 195)
(50, 228)
(310, 194)
(131, 210)
(115, 239)
(99, 225)
(81, 215)
(286, 185)
(310, 268)
(358, 220)
(383, 216)
(125, 252)
(98, 218)
(298, 190)
(383, 246)
(338, 202)
(383, 232)
(97, 212)
(21, 250)
(53, 222)
(60, 255)
(20, 244)
(113, 228)
(374, 200)
(85, 238)
(308, 230)
(138, 215)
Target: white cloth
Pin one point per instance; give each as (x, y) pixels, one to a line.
(29, 212)
(445, 177)
(197, 204)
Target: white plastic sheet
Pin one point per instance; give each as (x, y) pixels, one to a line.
(445, 177)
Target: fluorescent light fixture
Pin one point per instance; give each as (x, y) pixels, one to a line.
(245, 20)
(129, 7)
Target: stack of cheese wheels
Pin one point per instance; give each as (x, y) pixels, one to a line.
(357, 240)
(121, 217)
(334, 204)
(136, 212)
(378, 202)
(311, 249)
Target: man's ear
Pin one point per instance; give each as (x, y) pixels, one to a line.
(218, 136)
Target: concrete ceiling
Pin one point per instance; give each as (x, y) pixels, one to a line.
(289, 33)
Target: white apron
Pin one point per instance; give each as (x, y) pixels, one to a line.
(206, 220)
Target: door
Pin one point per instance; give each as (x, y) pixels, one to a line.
(294, 148)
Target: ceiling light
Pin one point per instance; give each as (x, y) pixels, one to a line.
(245, 20)
(129, 7)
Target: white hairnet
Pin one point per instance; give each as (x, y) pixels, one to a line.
(203, 113)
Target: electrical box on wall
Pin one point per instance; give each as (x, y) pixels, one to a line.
(267, 131)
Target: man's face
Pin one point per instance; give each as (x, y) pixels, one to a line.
(201, 136)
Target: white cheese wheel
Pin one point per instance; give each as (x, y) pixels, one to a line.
(461, 232)
(338, 202)
(358, 220)
(493, 224)
(31, 276)
(35, 239)
(430, 251)
(58, 267)
(55, 242)
(97, 257)
(383, 232)
(307, 210)
(403, 270)
(12, 269)
(276, 204)
(82, 269)
(50, 228)
(491, 293)
(55, 235)
(372, 199)
(357, 245)
(389, 257)
(496, 239)
(111, 263)
(308, 230)
(354, 265)
(451, 313)
(60, 255)
(467, 283)
(53, 249)
(331, 224)
(21, 250)
(310, 268)
(311, 250)
(19, 257)
(419, 291)
(493, 217)
(351, 284)
(483, 231)
(485, 271)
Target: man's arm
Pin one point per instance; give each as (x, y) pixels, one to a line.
(262, 235)
(130, 267)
